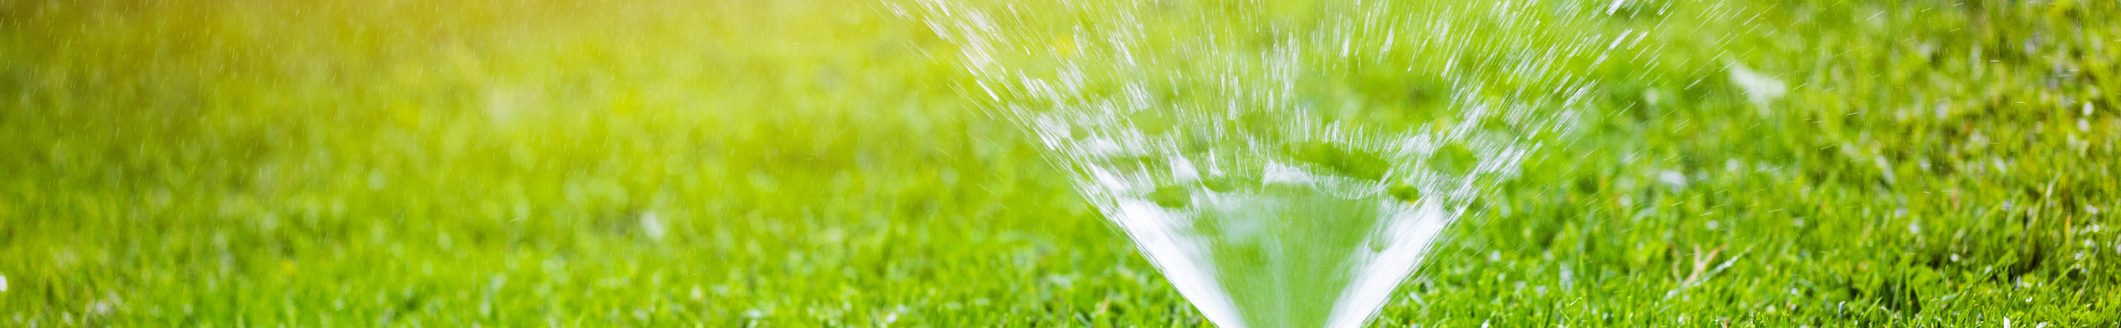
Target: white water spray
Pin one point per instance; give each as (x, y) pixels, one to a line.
(1247, 148)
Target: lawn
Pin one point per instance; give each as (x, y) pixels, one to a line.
(826, 163)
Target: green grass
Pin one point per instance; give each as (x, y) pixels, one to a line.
(316, 163)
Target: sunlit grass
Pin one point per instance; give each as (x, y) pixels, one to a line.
(448, 163)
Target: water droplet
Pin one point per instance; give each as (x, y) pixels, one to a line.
(1759, 88)
(1672, 179)
(1615, 7)
(652, 226)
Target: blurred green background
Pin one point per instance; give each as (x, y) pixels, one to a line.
(802, 163)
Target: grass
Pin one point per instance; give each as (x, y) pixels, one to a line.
(798, 163)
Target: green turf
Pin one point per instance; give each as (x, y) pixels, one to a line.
(800, 163)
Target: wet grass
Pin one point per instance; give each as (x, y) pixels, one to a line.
(791, 163)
